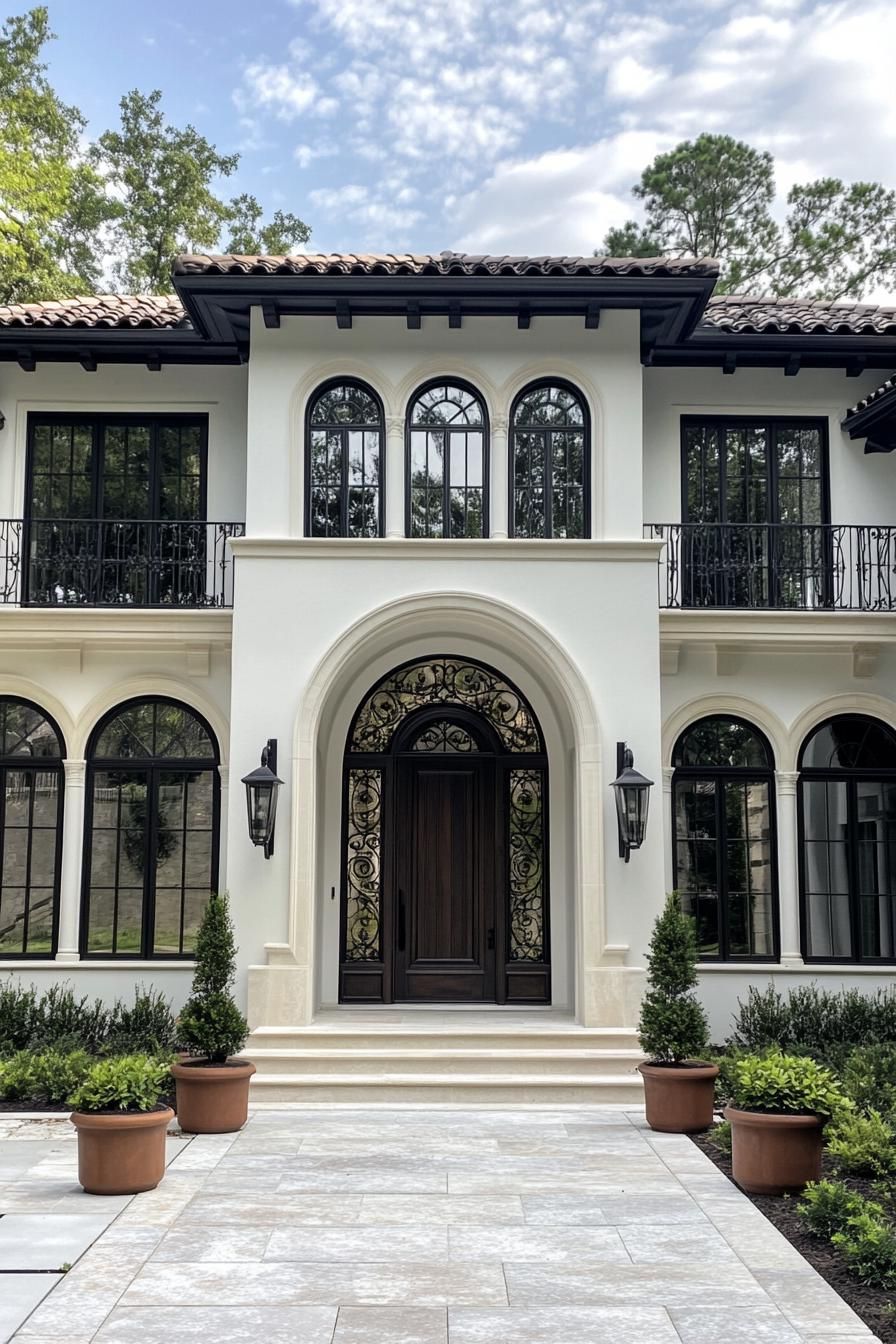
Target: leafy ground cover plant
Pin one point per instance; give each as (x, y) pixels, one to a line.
(868, 1244)
(827, 1206)
(863, 1144)
(869, 1077)
(128, 1083)
(673, 1027)
(776, 1083)
(43, 1078)
(211, 1025)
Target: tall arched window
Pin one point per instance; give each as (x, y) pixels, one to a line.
(31, 753)
(344, 461)
(151, 830)
(447, 462)
(549, 462)
(847, 815)
(723, 809)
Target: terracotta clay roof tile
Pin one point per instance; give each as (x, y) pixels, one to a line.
(98, 311)
(443, 263)
(754, 315)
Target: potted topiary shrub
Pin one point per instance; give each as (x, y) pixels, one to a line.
(779, 1107)
(679, 1087)
(212, 1089)
(121, 1123)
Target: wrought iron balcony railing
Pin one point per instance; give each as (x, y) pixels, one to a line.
(112, 562)
(777, 566)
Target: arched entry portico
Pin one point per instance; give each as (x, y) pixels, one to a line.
(444, 882)
(602, 989)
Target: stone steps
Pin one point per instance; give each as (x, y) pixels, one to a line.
(507, 1062)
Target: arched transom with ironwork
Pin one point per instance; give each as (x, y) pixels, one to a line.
(444, 707)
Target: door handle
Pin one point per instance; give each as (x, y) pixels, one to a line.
(401, 921)
(490, 939)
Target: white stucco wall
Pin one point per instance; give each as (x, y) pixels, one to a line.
(863, 488)
(219, 392)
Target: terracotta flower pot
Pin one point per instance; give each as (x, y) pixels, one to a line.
(771, 1154)
(679, 1098)
(212, 1098)
(121, 1153)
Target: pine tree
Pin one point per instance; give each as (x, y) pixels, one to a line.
(673, 1026)
(211, 1025)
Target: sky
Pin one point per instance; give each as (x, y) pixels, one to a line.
(481, 126)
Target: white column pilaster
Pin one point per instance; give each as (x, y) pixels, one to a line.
(668, 822)
(72, 854)
(788, 870)
(394, 476)
(224, 776)
(498, 504)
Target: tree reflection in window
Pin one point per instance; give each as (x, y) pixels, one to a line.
(447, 463)
(344, 462)
(723, 838)
(847, 797)
(549, 463)
(152, 830)
(31, 753)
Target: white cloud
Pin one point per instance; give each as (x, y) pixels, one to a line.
(285, 92)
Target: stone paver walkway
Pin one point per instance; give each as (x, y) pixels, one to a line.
(329, 1226)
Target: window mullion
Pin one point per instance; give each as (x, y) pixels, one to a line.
(721, 791)
(149, 861)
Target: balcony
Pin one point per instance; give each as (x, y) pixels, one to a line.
(106, 562)
(776, 566)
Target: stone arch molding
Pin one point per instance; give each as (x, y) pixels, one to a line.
(875, 706)
(23, 689)
(742, 708)
(439, 616)
(136, 687)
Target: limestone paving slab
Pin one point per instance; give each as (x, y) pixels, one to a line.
(35, 1241)
(407, 1225)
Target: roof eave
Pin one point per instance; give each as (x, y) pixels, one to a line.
(853, 351)
(219, 305)
(114, 345)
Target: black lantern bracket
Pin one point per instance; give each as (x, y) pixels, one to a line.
(632, 792)
(262, 788)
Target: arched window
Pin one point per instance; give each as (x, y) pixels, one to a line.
(151, 830)
(31, 752)
(343, 462)
(549, 462)
(847, 796)
(723, 810)
(447, 462)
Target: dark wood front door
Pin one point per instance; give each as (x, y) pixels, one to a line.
(445, 830)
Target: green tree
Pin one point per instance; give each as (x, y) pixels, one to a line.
(631, 241)
(162, 178)
(52, 202)
(673, 1025)
(713, 196)
(210, 1024)
(249, 237)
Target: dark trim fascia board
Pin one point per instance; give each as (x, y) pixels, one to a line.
(115, 345)
(670, 306)
(816, 349)
(881, 410)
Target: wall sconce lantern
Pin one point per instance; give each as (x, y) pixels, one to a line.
(262, 787)
(632, 790)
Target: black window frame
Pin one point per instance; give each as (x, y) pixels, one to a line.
(742, 774)
(380, 426)
(769, 423)
(580, 397)
(851, 777)
(150, 766)
(448, 380)
(40, 764)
